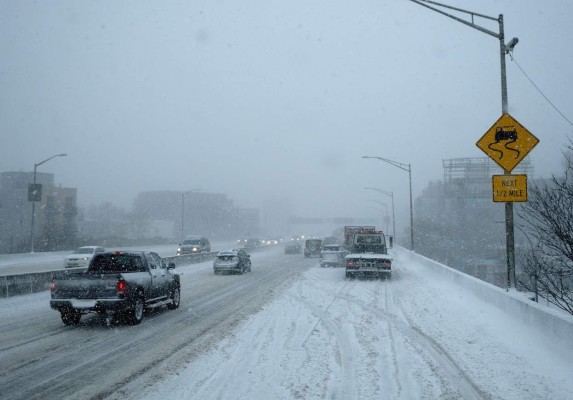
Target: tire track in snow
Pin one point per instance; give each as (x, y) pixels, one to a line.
(347, 388)
(348, 384)
(221, 380)
(396, 370)
(235, 356)
(457, 377)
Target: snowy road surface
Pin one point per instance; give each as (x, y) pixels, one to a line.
(288, 330)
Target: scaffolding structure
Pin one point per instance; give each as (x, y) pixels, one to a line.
(472, 176)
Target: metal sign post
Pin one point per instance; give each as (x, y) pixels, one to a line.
(507, 142)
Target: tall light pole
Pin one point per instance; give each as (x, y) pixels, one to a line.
(408, 169)
(391, 195)
(503, 50)
(183, 211)
(33, 194)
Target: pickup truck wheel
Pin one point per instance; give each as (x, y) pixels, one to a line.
(175, 299)
(70, 317)
(136, 313)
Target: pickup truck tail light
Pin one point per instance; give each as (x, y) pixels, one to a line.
(121, 287)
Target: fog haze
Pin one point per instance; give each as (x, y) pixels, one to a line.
(271, 100)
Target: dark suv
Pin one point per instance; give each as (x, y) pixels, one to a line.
(194, 245)
(312, 247)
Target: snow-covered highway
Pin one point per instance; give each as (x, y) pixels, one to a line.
(288, 330)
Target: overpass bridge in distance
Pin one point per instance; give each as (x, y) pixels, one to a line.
(297, 220)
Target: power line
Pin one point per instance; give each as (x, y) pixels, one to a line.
(539, 90)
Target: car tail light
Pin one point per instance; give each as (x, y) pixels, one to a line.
(53, 287)
(121, 286)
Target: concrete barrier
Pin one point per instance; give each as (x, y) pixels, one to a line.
(12, 285)
(26, 283)
(546, 321)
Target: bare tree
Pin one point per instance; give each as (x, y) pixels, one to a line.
(547, 220)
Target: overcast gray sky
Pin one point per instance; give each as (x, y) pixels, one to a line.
(271, 99)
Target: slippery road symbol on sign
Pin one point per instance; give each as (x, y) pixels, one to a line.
(507, 142)
(507, 135)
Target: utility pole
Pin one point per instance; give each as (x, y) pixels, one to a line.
(503, 50)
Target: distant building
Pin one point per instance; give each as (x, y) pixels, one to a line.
(196, 213)
(55, 220)
(457, 221)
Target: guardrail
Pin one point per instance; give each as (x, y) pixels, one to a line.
(27, 283)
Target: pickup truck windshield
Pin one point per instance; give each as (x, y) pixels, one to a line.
(112, 263)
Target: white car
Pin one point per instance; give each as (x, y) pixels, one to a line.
(82, 256)
(332, 255)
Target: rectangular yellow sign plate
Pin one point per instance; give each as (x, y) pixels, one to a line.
(509, 188)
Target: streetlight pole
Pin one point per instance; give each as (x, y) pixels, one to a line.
(34, 191)
(183, 211)
(407, 168)
(391, 195)
(503, 50)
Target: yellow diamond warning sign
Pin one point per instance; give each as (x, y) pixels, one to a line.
(507, 142)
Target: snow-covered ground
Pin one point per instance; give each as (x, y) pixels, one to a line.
(415, 336)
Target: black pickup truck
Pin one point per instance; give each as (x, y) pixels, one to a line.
(118, 285)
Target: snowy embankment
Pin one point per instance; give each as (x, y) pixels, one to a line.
(428, 333)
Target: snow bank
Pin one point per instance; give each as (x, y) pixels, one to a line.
(553, 323)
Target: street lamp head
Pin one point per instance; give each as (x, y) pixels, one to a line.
(62, 155)
(511, 44)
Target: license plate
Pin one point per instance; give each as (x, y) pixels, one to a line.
(76, 303)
